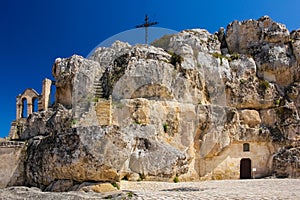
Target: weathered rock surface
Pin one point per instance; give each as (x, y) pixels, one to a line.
(270, 45)
(98, 154)
(18, 193)
(286, 162)
(12, 156)
(142, 112)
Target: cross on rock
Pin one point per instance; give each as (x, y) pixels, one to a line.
(146, 25)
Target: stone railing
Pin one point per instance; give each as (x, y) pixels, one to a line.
(11, 144)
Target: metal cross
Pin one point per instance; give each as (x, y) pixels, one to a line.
(146, 25)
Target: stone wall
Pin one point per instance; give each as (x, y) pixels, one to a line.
(11, 165)
(103, 111)
(226, 165)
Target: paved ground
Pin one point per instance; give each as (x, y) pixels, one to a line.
(225, 189)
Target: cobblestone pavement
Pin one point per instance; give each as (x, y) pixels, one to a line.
(224, 189)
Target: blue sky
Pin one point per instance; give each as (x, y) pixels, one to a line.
(35, 32)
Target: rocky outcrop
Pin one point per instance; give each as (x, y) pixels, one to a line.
(271, 46)
(286, 162)
(242, 37)
(99, 154)
(194, 110)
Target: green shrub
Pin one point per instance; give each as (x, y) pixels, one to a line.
(142, 177)
(166, 127)
(175, 58)
(242, 81)
(116, 185)
(130, 194)
(137, 121)
(235, 56)
(73, 122)
(220, 56)
(264, 85)
(176, 179)
(95, 99)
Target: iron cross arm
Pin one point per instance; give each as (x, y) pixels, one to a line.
(146, 25)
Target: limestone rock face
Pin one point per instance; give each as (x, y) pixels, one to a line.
(98, 154)
(250, 117)
(244, 89)
(45, 122)
(241, 37)
(65, 157)
(269, 43)
(196, 110)
(286, 162)
(295, 37)
(74, 81)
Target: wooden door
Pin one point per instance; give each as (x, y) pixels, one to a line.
(245, 168)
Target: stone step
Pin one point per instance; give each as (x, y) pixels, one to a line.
(98, 92)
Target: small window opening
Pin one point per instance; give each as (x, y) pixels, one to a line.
(24, 108)
(246, 147)
(52, 95)
(34, 105)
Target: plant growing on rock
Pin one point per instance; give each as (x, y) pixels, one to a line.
(166, 127)
(130, 194)
(95, 99)
(176, 179)
(141, 177)
(230, 58)
(264, 85)
(116, 185)
(137, 121)
(221, 57)
(242, 81)
(175, 58)
(235, 56)
(72, 123)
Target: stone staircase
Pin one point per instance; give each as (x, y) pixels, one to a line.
(98, 89)
(82, 109)
(11, 144)
(103, 105)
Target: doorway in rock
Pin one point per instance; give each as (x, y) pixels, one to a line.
(245, 168)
